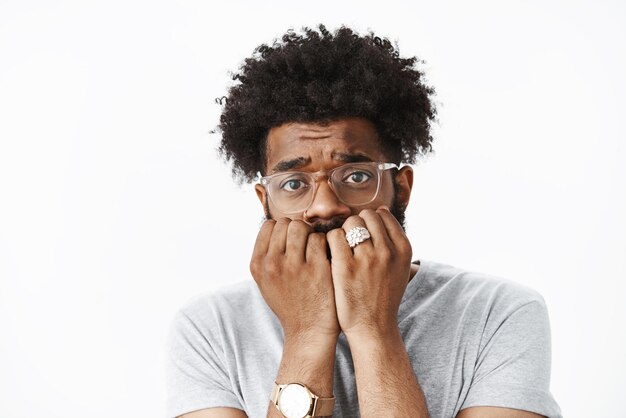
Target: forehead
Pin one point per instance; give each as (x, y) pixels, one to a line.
(319, 145)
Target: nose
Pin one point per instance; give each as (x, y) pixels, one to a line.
(326, 205)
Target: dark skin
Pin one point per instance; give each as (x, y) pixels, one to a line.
(323, 147)
(358, 291)
(355, 291)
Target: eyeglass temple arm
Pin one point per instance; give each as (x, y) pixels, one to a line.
(387, 166)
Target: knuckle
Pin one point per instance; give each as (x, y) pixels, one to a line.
(268, 224)
(366, 212)
(254, 268)
(372, 262)
(405, 246)
(317, 237)
(298, 226)
(384, 255)
(335, 232)
(409, 251)
(272, 266)
(283, 221)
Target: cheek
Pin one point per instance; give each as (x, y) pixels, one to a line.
(276, 214)
(386, 192)
(385, 197)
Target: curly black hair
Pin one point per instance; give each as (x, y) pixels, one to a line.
(318, 76)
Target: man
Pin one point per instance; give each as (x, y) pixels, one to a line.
(338, 320)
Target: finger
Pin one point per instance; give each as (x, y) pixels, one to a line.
(260, 248)
(279, 236)
(351, 223)
(339, 248)
(297, 236)
(378, 230)
(263, 239)
(394, 229)
(315, 246)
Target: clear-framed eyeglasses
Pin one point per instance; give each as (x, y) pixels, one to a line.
(354, 184)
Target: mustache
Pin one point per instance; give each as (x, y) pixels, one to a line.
(327, 226)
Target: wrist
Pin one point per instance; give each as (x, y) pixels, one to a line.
(310, 337)
(309, 359)
(314, 351)
(373, 336)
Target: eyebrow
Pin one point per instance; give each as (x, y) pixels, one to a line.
(351, 158)
(343, 157)
(287, 165)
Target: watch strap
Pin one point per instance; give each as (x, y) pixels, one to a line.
(323, 407)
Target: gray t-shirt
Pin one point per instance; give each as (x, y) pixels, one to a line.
(473, 340)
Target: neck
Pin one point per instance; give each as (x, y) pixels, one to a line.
(414, 269)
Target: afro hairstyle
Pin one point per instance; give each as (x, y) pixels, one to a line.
(316, 77)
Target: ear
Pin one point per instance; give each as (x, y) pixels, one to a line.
(260, 193)
(404, 182)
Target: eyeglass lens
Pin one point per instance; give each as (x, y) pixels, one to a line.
(354, 184)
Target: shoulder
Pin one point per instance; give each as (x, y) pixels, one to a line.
(218, 310)
(478, 300)
(464, 286)
(231, 298)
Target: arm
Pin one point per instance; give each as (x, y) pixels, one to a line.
(383, 371)
(310, 360)
(216, 413)
(494, 412)
(369, 282)
(512, 373)
(385, 380)
(290, 266)
(196, 375)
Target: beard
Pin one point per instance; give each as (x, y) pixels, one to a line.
(396, 209)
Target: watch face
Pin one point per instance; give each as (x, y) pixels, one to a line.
(294, 401)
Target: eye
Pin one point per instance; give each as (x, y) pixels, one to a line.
(357, 177)
(293, 185)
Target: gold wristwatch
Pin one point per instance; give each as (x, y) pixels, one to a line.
(295, 400)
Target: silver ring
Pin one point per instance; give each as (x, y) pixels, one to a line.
(357, 235)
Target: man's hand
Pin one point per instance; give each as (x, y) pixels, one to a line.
(370, 280)
(290, 266)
